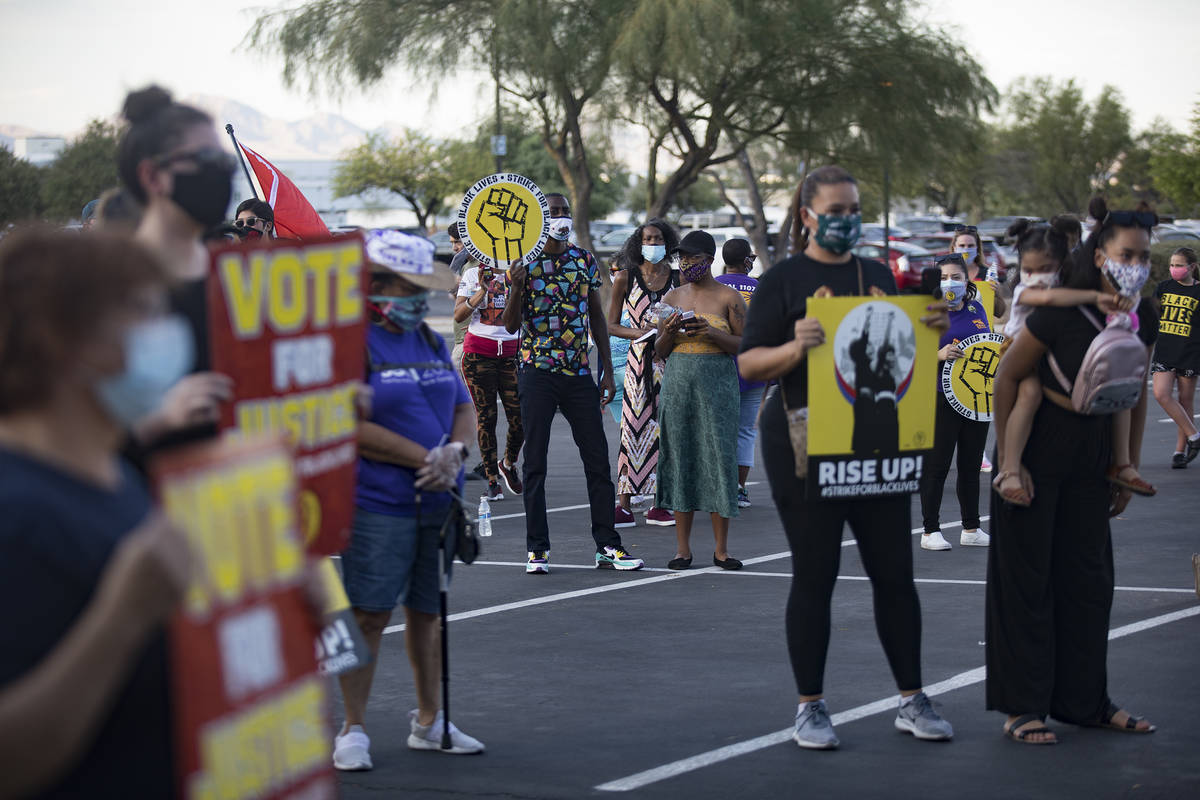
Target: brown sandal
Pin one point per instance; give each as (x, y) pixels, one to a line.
(1018, 496)
(1131, 722)
(1136, 485)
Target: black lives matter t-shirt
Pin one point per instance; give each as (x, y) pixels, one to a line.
(1178, 344)
(57, 534)
(782, 298)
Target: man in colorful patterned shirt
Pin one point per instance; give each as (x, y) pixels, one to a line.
(556, 305)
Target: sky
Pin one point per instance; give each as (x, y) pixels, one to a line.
(65, 62)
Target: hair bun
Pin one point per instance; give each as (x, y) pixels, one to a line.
(1098, 209)
(1018, 228)
(145, 103)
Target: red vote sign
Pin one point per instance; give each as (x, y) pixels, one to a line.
(249, 707)
(286, 323)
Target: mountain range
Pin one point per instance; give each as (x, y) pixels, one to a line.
(319, 137)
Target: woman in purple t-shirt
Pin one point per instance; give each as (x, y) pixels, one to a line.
(954, 431)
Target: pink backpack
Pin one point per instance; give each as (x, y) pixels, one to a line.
(1113, 372)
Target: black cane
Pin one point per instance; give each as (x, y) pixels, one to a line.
(443, 587)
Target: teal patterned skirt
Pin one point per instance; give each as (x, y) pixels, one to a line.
(698, 408)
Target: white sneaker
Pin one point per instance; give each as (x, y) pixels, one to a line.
(934, 541)
(975, 538)
(352, 750)
(986, 466)
(429, 737)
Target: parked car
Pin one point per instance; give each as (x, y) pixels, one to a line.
(441, 246)
(920, 226)
(942, 243)
(611, 243)
(905, 259)
(1175, 233)
(873, 231)
(997, 227)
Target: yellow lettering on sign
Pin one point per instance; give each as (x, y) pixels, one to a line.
(270, 745)
(243, 292)
(310, 420)
(349, 302)
(289, 288)
(242, 525)
(288, 298)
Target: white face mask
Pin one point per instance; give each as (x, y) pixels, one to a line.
(1039, 280)
(1127, 278)
(560, 228)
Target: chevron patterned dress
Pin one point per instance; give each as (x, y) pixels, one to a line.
(637, 463)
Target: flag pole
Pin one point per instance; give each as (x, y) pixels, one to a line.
(245, 169)
(242, 160)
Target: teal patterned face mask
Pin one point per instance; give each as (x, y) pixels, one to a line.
(406, 313)
(837, 233)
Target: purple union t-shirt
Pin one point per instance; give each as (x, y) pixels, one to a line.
(745, 286)
(414, 397)
(967, 321)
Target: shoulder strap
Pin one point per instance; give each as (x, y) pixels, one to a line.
(858, 265)
(1067, 386)
(1091, 318)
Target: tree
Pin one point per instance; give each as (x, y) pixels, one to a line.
(82, 172)
(1070, 148)
(1175, 166)
(553, 57)
(850, 80)
(20, 188)
(413, 166)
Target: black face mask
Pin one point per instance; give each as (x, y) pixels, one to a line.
(205, 193)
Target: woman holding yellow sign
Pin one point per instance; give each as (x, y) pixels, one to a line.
(956, 430)
(775, 344)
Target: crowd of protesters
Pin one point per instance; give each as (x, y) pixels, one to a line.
(104, 360)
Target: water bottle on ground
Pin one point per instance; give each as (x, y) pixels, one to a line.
(483, 519)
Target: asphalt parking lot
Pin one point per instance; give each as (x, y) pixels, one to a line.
(587, 683)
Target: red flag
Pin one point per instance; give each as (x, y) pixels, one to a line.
(295, 218)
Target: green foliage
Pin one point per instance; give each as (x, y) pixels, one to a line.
(413, 166)
(20, 188)
(82, 172)
(1175, 164)
(1060, 149)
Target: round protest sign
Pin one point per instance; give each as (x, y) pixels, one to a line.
(505, 220)
(967, 381)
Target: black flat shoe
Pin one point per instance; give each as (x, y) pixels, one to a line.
(679, 563)
(729, 563)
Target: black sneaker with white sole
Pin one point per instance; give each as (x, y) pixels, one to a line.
(493, 491)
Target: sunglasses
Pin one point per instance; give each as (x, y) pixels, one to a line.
(248, 222)
(1129, 219)
(208, 157)
(955, 258)
(965, 229)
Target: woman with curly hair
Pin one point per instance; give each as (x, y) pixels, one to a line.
(636, 290)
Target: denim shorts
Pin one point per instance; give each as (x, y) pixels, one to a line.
(748, 426)
(391, 561)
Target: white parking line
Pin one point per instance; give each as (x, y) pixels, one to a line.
(572, 508)
(535, 601)
(1168, 419)
(968, 678)
(612, 587)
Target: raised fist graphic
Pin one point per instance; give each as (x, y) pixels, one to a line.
(502, 216)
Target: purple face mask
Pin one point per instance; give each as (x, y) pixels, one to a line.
(696, 271)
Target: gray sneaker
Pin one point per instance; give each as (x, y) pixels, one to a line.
(919, 719)
(814, 730)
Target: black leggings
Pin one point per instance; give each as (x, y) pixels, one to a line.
(953, 431)
(814, 533)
